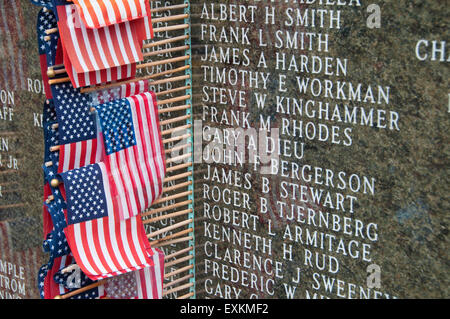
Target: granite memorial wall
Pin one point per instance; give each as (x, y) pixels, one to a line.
(322, 170)
(321, 149)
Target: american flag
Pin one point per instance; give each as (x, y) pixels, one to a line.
(134, 151)
(93, 56)
(78, 80)
(56, 244)
(97, 14)
(79, 154)
(102, 244)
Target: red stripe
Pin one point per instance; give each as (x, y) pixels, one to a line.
(96, 244)
(145, 159)
(90, 12)
(152, 122)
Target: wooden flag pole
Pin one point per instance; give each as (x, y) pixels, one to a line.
(166, 208)
(179, 234)
(139, 66)
(176, 281)
(178, 271)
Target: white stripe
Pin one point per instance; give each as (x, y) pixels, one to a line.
(103, 246)
(99, 151)
(147, 28)
(128, 185)
(136, 178)
(141, 157)
(87, 15)
(111, 225)
(111, 48)
(77, 155)
(100, 49)
(159, 271)
(131, 42)
(98, 12)
(74, 38)
(67, 156)
(133, 8)
(75, 77)
(138, 284)
(110, 11)
(117, 181)
(147, 144)
(87, 158)
(121, 44)
(123, 12)
(91, 239)
(87, 45)
(81, 249)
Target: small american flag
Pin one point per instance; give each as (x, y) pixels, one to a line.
(93, 56)
(102, 244)
(79, 154)
(134, 152)
(47, 49)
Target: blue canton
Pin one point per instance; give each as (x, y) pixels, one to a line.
(56, 243)
(50, 139)
(49, 112)
(47, 20)
(76, 122)
(116, 123)
(85, 194)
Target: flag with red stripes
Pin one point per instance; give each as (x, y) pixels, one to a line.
(150, 280)
(79, 154)
(101, 13)
(84, 79)
(97, 49)
(93, 56)
(102, 244)
(82, 153)
(146, 283)
(134, 152)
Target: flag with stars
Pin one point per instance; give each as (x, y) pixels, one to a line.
(79, 154)
(50, 283)
(56, 244)
(75, 120)
(103, 245)
(134, 152)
